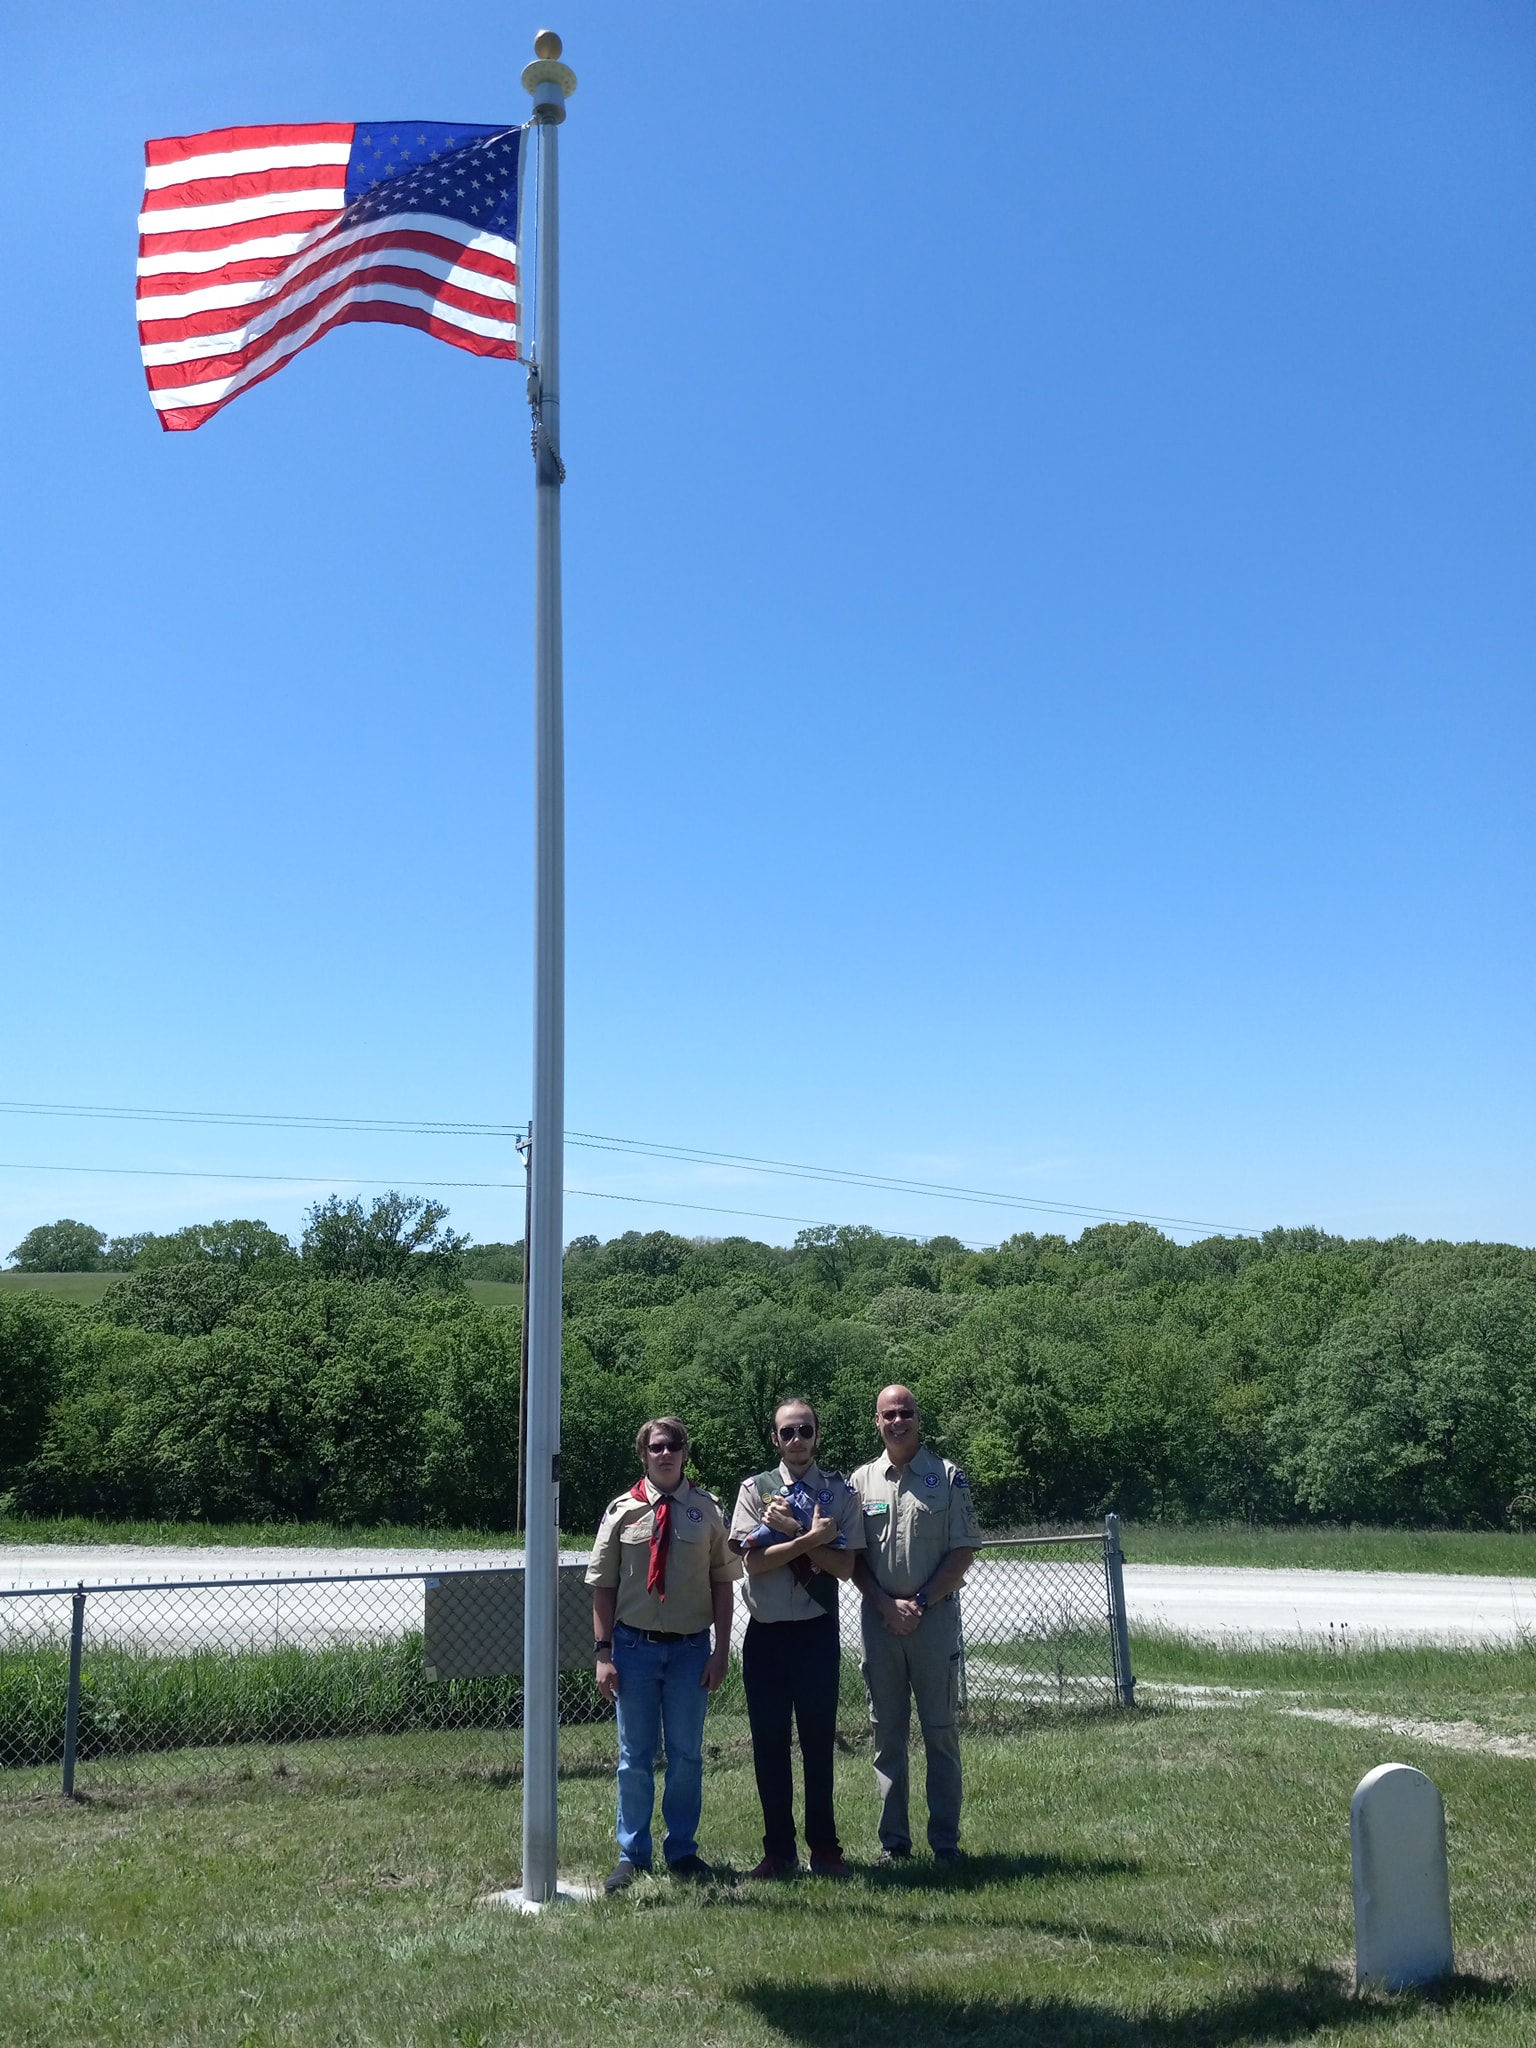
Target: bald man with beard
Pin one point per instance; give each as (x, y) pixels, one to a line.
(919, 1543)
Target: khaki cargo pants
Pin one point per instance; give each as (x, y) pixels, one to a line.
(924, 1666)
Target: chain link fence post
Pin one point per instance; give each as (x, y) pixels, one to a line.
(1114, 1565)
(72, 1697)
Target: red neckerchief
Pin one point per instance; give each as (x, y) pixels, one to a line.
(661, 1536)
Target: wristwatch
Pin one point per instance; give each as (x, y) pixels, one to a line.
(604, 1648)
(921, 1600)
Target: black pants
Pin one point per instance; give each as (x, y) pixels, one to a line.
(793, 1668)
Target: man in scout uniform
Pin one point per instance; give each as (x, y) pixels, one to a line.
(919, 1536)
(791, 1659)
(660, 1574)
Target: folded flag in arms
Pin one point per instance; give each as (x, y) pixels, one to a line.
(254, 242)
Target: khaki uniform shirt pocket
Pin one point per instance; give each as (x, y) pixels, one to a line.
(925, 1526)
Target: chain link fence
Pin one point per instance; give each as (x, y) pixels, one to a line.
(113, 1681)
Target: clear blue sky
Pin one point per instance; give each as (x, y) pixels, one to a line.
(1050, 625)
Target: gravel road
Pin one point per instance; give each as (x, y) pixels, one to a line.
(1210, 1601)
(1216, 1601)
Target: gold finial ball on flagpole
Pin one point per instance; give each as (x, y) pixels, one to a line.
(550, 82)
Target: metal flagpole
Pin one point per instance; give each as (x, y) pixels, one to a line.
(550, 83)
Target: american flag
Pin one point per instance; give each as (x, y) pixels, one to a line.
(254, 242)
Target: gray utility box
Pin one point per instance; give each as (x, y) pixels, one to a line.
(473, 1626)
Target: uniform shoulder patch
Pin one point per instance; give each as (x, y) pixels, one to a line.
(958, 1478)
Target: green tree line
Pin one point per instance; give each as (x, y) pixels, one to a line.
(229, 1375)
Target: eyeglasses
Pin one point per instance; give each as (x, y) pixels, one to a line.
(897, 1414)
(791, 1430)
(666, 1450)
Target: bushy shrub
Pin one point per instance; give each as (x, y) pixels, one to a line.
(1420, 1406)
(33, 1345)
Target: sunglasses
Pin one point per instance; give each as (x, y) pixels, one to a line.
(897, 1414)
(791, 1430)
(664, 1450)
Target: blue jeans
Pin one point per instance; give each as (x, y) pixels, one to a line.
(660, 1691)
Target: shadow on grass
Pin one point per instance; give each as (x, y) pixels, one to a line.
(500, 1776)
(934, 1880)
(972, 1873)
(862, 2016)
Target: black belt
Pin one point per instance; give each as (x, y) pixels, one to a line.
(665, 1635)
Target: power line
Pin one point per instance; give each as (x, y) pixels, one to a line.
(943, 1190)
(714, 1209)
(739, 1162)
(256, 1119)
(319, 1180)
(332, 1180)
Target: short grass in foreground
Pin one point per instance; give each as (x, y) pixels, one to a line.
(1141, 1881)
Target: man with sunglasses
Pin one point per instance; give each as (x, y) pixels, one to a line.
(919, 1542)
(661, 1574)
(791, 1658)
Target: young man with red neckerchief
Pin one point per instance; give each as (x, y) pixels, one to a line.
(661, 1576)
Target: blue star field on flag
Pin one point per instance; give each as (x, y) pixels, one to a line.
(467, 173)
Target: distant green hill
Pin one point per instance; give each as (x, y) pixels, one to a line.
(63, 1286)
(492, 1293)
(92, 1286)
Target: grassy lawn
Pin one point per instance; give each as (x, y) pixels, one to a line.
(278, 1535)
(1489, 1689)
(1176, 1876)
(1495, 1553)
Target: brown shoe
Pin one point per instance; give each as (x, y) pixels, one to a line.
(829, 1863)
(777, 1866)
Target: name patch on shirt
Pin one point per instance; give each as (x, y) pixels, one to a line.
(877, 1507)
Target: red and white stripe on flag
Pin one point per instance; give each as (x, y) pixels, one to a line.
(248, 252)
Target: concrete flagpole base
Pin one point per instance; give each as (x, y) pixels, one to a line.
(564, 1895)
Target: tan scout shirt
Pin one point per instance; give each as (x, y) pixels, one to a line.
(913, 1518)
(778, 1595)
(697, 1559)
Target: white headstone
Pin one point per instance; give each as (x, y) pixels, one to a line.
(1402, 1888)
